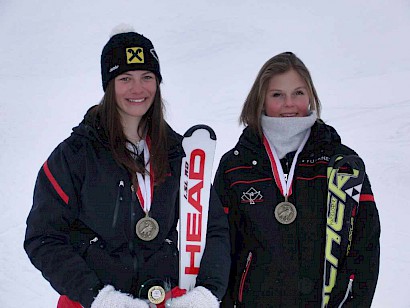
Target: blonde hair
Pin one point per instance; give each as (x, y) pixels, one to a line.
(279, 64)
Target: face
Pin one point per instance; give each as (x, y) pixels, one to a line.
(134, 92)
(287, 96)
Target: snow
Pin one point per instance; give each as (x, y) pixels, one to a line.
(210, 53)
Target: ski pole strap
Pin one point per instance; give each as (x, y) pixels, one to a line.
(345, 176)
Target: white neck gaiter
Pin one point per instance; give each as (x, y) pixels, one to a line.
(286, 134)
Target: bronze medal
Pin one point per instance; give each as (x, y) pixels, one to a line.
(285, 213)
(156, 294)
(147, 228)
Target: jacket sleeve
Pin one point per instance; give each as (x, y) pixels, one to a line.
(47, 240)
(362, 263)
(215, 263)
(222, 189)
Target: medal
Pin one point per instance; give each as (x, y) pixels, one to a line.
(147, 228)
(285, 212)
(155, 290)
(156, 294)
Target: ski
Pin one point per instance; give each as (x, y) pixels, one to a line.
(345, 176)
(199, 145)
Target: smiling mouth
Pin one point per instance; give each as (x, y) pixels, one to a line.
(287, 115)
(136, 100)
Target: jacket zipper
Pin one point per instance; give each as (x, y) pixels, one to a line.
(244, 274)
(117, 203)
(132, 220)
(286, 173)
(348, 291)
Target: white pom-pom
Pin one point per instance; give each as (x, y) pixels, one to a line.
(122, 28)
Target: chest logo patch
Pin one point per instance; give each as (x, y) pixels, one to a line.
(251, 196)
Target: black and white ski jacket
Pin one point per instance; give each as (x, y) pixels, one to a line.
(277, 265)
(81, 229)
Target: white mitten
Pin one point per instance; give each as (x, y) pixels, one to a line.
(108, 297)
(198, 297)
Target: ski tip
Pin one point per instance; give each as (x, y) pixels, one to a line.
(191, 130)
(354, 161)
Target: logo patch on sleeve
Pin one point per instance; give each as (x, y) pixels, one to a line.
(135, 55)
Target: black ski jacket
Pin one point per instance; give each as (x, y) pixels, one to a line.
(81, 229)
(277, 265)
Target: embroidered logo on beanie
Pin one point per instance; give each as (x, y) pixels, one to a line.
(135, 55)
(114, 68)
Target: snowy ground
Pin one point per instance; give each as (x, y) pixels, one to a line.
(210, 53)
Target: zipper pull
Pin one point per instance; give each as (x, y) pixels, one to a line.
(117, 202)
(248, 260)
(349, 291)
(121, 188)
(351, 278)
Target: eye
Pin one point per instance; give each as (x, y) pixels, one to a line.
(125, 78)
(148, 77)
(299, 92)
(276, 94)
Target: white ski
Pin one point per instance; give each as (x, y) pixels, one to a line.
(199, 145)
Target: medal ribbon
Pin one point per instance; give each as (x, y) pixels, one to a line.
(146, 183)
(285, 186)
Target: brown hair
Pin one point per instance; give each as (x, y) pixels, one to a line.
(279, 64)
(152, 122)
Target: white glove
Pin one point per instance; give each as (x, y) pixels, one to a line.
(198, 297)
(108, 297)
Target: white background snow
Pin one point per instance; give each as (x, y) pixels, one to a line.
(210, 51)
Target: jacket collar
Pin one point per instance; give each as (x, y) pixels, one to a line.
(321, 135)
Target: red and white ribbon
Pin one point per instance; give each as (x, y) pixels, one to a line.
(284, 184)
(146, 183)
